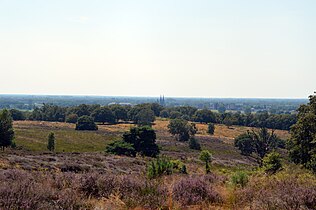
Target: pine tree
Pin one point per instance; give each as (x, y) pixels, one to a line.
(6, 129)
(51, 142)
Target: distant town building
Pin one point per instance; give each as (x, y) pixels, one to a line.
(161, 100)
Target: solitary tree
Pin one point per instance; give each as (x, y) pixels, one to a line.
(211, 128)
(86, 123)
(143, 140)
(182, 129)
(206, 156)
(51, 142)
(261, 143)
(6, 129)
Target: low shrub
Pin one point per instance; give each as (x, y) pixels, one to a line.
(239, 179)
(34, 190)
(165, 166)
(194, 144)
(74, 167)
(159, 167)
(136, 192)
(179, 166)
(194, 190)
(274, 193)
(272, 163)
(97, 185)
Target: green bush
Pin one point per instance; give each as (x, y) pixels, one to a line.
(239, 179)
(206, 156)
(211, 128)
(194, 144)
(272, 162)
(159, 167)
(165, 166)
(121, 148)
(179, 166)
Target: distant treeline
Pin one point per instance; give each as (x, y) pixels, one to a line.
(146, 113)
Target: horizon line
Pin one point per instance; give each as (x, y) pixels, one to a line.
(151, 96)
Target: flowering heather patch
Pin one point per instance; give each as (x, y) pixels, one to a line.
(194, 190)
(27, 190)
(273, 193)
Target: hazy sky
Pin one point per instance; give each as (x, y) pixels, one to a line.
(210, 48)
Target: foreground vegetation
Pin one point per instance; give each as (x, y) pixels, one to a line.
(168, 164)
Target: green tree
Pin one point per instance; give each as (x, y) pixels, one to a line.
(17, 114)
(71, 118)
(211, 128)
(302, 145)
(51, 142)
(121, 148)
(204, 116)
(145, 117)
(244, 142)
(120, 112)
(143, 140)
(261, 143)
(103, 115)
(206, 156)
(6, 129)
(264, 142)
(86, 123)
(156, 108)
(272, 162)
(142, 114)
(164, 113)
(175, 114)
(182, 129)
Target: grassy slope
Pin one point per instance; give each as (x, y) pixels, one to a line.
(33, 135)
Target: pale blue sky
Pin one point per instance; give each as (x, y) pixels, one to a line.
(222, 48)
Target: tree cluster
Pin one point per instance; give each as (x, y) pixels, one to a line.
(302, 145)
(139, 140)
(6, 129)
(261, 143)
